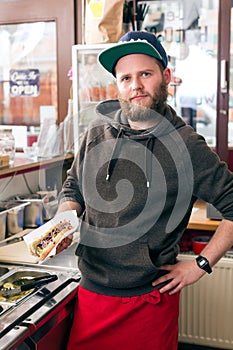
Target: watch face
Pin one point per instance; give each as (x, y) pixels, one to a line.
(203, 264)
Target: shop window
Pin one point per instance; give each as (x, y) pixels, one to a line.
(28, 71)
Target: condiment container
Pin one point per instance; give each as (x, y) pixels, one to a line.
(15, 220)
(33, 214)
(11, 217)
(3, 214)
(199, 243)
(7, 144)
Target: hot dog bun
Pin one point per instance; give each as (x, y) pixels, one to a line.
(42, 246)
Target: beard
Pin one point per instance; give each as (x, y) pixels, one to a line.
(138, 112)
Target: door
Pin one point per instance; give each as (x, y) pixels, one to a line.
(37, 38)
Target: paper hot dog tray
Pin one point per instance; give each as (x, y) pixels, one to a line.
(65, 216)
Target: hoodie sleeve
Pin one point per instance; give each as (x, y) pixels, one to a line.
(213, 181)
(71, 189)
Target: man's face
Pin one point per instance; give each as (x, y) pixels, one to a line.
(141, 86)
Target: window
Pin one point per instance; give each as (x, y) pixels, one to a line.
(47, 58)
(28, 72)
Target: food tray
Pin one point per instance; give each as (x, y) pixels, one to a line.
(19, 276)
(69, 215)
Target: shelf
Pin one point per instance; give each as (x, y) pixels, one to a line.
(23, 165)
(199, 220)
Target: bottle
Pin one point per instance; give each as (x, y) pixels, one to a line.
(7, 144)
(47, 135)
(69, 129)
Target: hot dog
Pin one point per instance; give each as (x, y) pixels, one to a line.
(43, 245)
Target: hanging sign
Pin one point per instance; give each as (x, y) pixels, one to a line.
(24, 82)
(96, 8)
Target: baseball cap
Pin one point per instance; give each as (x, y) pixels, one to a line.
(135, 42)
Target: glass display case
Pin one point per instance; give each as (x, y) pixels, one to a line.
(192, 55)
(91, 84)
(197, 90)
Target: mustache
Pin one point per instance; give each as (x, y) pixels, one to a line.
(139, 94)
(133, 95)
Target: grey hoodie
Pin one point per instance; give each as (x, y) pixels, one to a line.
(137, 190)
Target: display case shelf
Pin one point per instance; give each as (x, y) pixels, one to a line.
(23, 165)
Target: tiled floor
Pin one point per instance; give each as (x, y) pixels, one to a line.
(183, 346)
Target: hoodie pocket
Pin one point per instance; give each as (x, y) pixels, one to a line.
(145, 250)
(126, 266)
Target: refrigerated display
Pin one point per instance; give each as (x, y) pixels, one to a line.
(91, 84)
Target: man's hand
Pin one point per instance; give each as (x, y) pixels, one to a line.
(184, 273)
(68, 205)
(65, 243)
(180, 275)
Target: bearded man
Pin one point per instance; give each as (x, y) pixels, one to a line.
(134, 181)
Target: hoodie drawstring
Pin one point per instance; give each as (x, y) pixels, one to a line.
(113, 153)
(148, 160)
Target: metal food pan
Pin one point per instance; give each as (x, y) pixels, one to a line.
(11, 217)
(33, 214)
(3, 214)
(15, 218)
(18, 276)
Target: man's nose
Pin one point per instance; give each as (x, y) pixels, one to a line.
(137, 83)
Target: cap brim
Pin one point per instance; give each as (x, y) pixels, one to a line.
(109, 57)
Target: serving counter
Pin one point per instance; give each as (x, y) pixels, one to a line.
(55, 307)
(199, 220)
(199, 225)
(43, 319)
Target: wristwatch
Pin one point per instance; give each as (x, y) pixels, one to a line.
(203, 263)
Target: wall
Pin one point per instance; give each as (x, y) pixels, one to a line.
(22, 184)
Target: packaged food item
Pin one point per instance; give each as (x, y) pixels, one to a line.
(42, 242)
(7, 144)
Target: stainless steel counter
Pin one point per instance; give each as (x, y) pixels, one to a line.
(18, 253)
(65, 266)
(66, 259)
(17, 332)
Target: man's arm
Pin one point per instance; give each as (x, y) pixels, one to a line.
(70, 205)
(187, 272)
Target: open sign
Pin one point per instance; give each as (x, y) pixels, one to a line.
(24, 82)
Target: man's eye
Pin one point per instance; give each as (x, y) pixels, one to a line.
(125, 79)
(145, 74)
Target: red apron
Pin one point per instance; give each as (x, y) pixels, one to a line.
(145, 322)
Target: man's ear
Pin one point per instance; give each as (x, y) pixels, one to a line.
(167, 75)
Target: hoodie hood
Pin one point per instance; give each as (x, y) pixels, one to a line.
(110, 112)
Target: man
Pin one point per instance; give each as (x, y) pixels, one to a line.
(135, 179)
